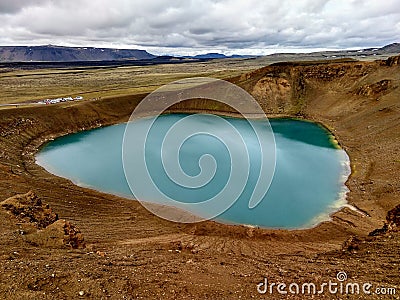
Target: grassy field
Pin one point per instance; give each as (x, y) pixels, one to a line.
(24, 86)
(32, 85)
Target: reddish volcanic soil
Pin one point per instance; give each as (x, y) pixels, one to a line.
(128, 253)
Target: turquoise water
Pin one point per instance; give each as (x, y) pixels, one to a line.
(307, 186)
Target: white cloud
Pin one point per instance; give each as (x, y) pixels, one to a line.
(225, 25)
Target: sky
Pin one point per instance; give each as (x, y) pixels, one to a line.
(187, 27)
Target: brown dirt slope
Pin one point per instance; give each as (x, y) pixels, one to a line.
(132, 254)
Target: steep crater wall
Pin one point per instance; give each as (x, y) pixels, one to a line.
(357, 101)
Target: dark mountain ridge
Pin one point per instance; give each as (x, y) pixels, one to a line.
(50, 53)
(91, 55)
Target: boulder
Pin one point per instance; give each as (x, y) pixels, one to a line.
(30, 209)
(393, 217)
(46, 229)
(59, 234)
(393, 61)
(392, 222)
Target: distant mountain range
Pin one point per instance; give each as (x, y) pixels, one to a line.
(391, 49)
(218, 56)
(51, 53)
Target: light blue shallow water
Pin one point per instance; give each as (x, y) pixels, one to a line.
(307, 186)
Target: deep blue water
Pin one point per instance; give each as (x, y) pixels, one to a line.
(307, 186)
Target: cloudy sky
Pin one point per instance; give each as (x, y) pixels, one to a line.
(199, 26)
